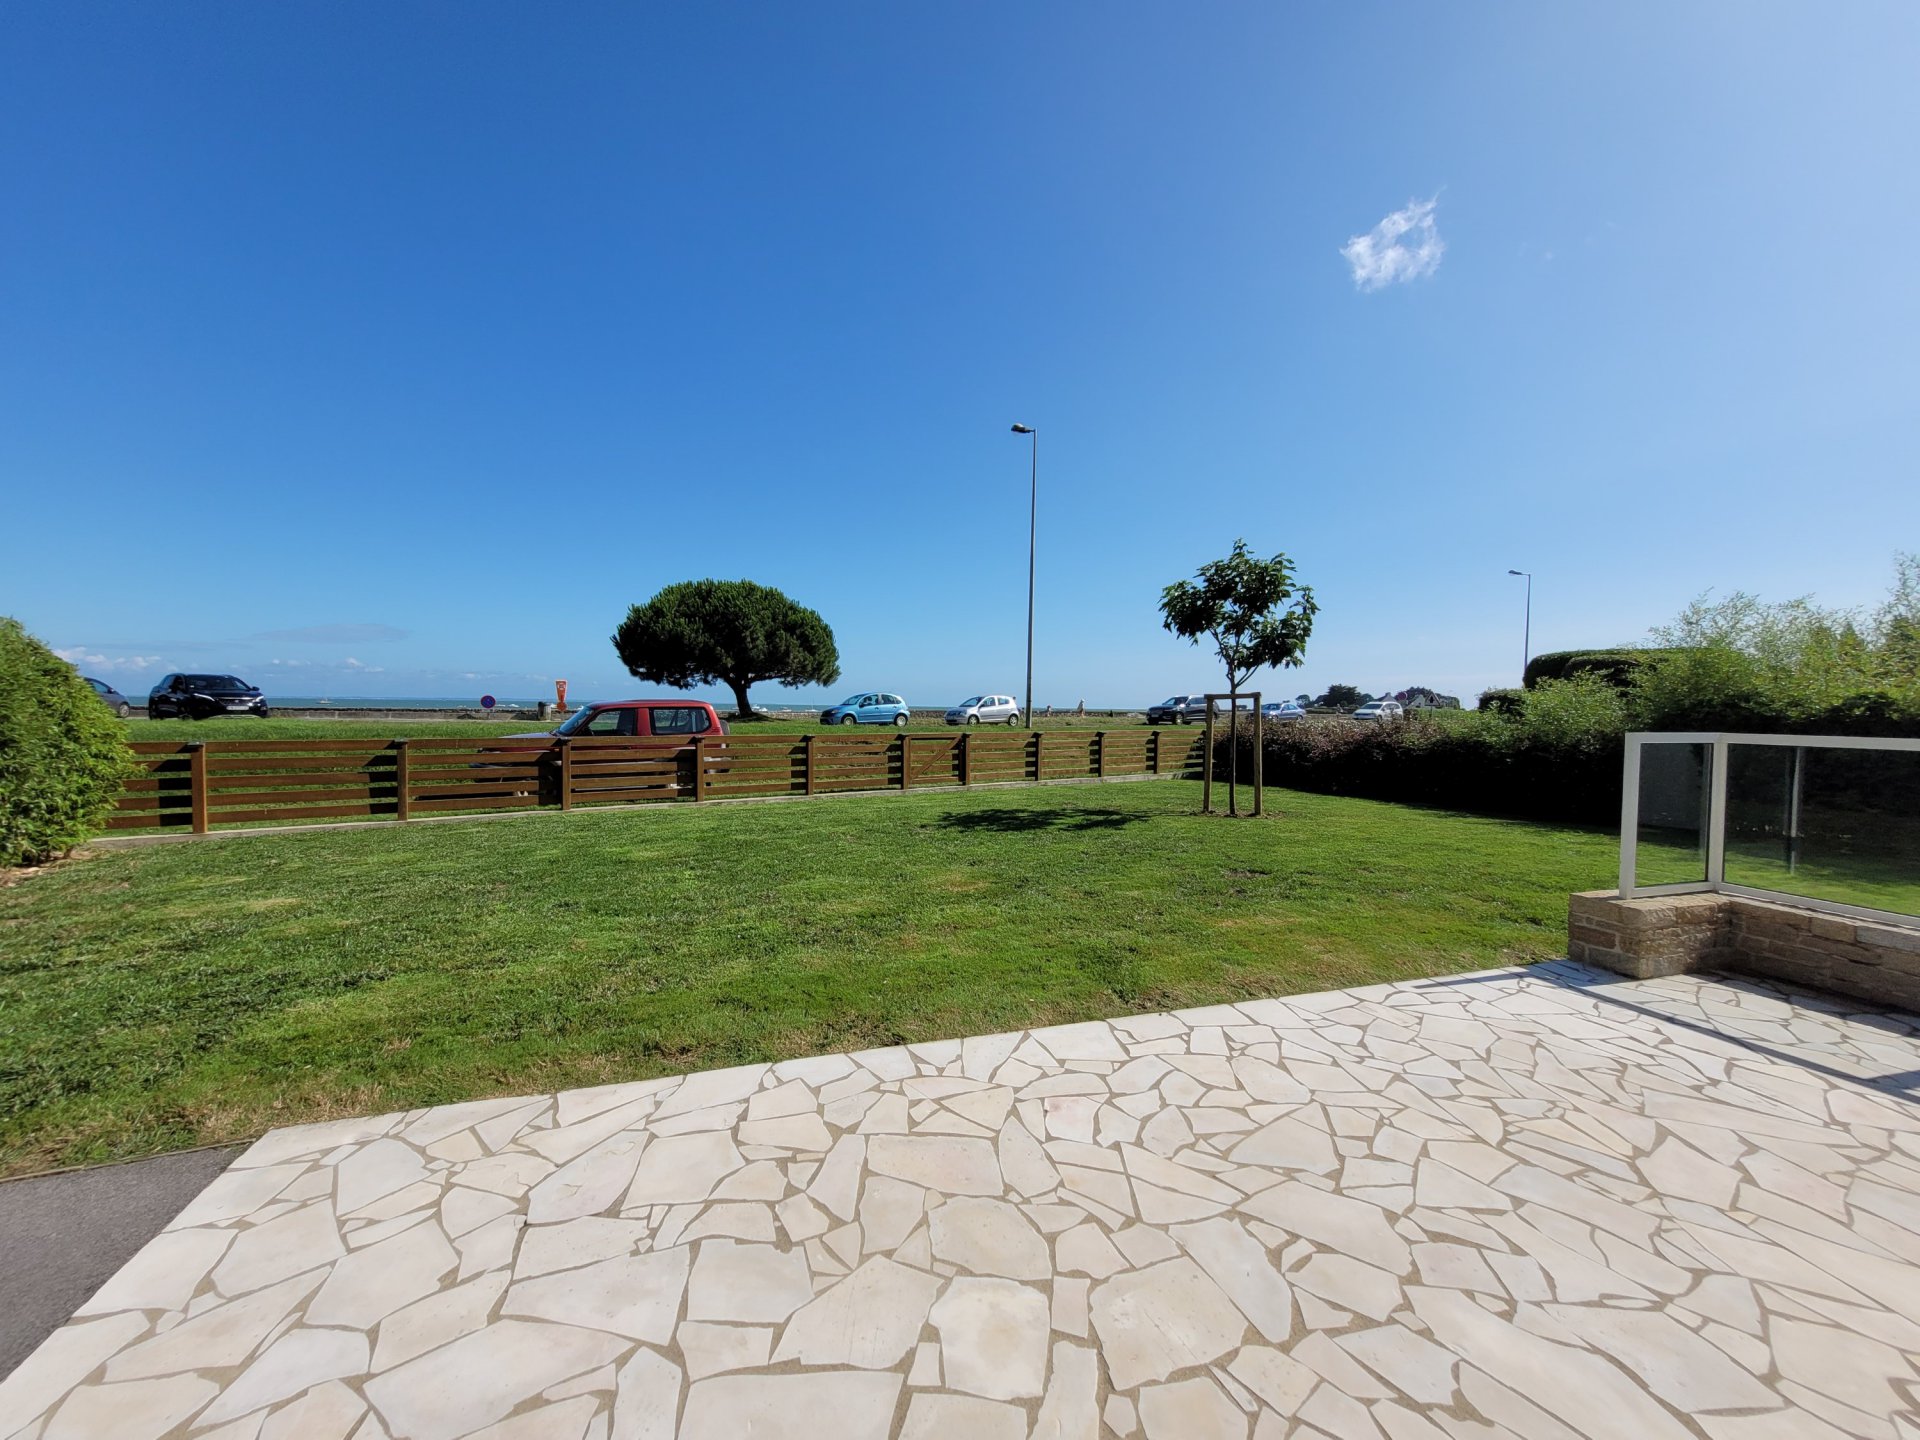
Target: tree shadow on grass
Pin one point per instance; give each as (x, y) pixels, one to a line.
(1009, 821)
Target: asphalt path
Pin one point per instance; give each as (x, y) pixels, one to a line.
(63, 1236)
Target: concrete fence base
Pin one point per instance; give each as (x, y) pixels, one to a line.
(1672, 934)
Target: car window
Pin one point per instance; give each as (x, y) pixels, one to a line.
(976, 700)
(892, 700)
(678, 720)
(608, 722)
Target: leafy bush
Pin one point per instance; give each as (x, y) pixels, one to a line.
(62, 753)
(1617, 667)
(1503, 702)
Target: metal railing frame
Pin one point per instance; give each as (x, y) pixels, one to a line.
(1718, 743)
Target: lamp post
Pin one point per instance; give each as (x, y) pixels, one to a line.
(1526, 641)
(1033, 517)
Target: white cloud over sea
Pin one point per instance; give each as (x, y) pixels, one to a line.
(1403, 247)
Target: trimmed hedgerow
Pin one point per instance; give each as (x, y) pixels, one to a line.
(63, 755)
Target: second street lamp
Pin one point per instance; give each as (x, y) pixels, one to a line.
(1526, 635)
(1033, 517)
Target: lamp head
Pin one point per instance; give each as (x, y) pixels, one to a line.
(1516, 572)
(1023, 430)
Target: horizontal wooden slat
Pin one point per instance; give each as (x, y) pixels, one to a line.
(230, 800)
(308, 812)
(289, 747)
(503, 802)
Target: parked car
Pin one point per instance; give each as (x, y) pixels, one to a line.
(200, 697)
(1283, 712)
(985, 710)
(1380, 710)
(874, 707)
(1170, 711)
(115, 701)
(637, 718)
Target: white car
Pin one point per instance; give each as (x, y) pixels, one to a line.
(985, 710)
(1380, 710)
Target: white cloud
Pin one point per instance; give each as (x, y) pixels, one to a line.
(1404, 246)
(80, 655)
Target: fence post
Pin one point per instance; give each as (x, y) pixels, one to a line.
(906, 761)
(403, 799)
(1100, 754)
(1153, 752)
(197, 784)
(566, 772)
(1259, 749)
(966, 758)
(1206, 766)
(699, 767)
(809, 764)
(1036, 756)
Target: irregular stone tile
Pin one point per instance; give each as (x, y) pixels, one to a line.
(989, 1237)
(747, 1283)
(790, 1407)
(1352, 1283)
(787, 1132)
(950, 1165)
(1558, 1378)
(1854, 1369)
(836, 1186)
(428, 1323)
(481, 1377)
(375, 1170)
(711, 1349)
(1239, 1265)
(1068, 1410)
(164, 1275)
(646, 1402)
(511, 1174)
(61, 1362)
(219, 1336)
(568, 1143)
(870, 1319)
(1350, 1227)
(637, 1296)
(546, 1248)
(888, 1212)
(1089, 1040)
(1417, 1368)
(993, 1337)
(327, 1412)
(682, 1168)
(267, 1254)
(236, 1191)
(370, 1284)
(1194, 1409)
(1086, 1250)
(711, 1087)
(300, 1359)
(136, 1410)
(1155, 1321)
(942, 1417)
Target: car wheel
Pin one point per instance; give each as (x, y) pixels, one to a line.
(123, 710)
(1013, 719)
(973, 719)
(900, 721)
(263, 713)
(848, 720)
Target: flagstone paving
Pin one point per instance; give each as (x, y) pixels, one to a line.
(1529, 1203)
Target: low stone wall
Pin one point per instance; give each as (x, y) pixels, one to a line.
(1672, 934)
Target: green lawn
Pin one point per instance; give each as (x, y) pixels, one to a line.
(181, 994)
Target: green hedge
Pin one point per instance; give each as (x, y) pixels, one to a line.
(63, 754)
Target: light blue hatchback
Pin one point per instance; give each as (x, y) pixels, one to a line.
(872, 707)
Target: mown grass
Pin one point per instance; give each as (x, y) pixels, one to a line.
(181, 994)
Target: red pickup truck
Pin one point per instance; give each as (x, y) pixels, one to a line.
(630, 718)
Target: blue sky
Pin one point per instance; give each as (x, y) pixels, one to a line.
(396, 350)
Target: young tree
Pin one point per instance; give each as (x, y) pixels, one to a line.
(728, 632)
(1255, 611)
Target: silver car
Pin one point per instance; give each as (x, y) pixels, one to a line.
(985, 710)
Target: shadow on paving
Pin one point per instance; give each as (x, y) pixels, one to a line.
(1007, 820)
(64, 1236)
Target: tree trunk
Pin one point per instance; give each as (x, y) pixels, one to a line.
(743, 708)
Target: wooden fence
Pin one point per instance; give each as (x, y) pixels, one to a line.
(197, 785)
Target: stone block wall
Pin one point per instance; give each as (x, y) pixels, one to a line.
(1672, 934)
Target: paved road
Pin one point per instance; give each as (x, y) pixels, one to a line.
(62, 1236)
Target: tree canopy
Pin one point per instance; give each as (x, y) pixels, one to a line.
(1343, 697)
(726, 632)
(1255, 611)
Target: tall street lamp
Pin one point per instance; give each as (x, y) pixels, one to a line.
(1526, 642)
(1033, 517)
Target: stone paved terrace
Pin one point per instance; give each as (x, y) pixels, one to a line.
(1543, 1204)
